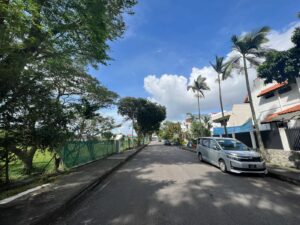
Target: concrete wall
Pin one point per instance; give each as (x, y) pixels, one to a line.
(284, 158)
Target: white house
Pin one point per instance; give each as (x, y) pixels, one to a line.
(276, 105)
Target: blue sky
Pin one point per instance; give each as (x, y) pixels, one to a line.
(174, 36)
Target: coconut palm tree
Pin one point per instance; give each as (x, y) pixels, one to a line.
(248, 49)
(198, 87)
(223, 70)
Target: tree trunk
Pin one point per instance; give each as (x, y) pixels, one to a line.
(6, 165)
(260, 142)
(221, 104)
(26, 157)
(56, 161)
(199, 114)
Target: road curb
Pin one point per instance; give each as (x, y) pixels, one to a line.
(71, 202)
(283, 178)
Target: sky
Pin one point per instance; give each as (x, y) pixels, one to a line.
(168, 43)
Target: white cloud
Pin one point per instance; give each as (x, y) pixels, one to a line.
(170, 90)
(281, 40)
(126, 126)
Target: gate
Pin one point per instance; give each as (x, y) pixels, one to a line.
(293, 136)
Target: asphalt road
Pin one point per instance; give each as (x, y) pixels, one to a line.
(166, 185)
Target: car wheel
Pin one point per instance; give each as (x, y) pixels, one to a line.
(222, 166)
(200, 157)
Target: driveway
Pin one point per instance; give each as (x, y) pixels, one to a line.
(166, 185)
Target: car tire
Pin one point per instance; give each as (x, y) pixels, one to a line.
(222, 166)
(200, 157)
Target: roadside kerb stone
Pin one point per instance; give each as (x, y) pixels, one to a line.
(43, 208)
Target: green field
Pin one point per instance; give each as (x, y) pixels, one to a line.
(40, 160)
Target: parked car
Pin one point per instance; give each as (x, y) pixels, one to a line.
(167, 142)
(230, 155)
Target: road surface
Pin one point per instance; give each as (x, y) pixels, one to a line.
(167, 185)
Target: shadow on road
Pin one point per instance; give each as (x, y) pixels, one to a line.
(165, 185)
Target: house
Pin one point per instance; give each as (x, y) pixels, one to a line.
(238, 120)
(276, 105)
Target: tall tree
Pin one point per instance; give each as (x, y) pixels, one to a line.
(198, 87)
(223, 71)
(146, 116)
(45, 48)
(128, 107)
(248, 48)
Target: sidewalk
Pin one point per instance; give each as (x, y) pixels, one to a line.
(45, 204)
(285, 174)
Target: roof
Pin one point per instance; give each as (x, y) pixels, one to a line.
(217, 118)
(276, 116)
(272, 88)
(290, 110)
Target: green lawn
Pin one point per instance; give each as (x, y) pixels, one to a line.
(40, 160)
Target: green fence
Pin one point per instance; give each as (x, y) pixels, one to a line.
(75, 153)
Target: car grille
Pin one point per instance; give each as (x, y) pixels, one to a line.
(252, 159)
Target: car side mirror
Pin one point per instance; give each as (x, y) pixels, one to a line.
(216, 148)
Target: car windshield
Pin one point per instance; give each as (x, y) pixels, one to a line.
(232, 145)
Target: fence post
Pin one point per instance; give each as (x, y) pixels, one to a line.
(118, 148)
(284, 140)
(253, 140)
(233, 135)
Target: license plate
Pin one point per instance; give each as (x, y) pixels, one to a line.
(252, 166)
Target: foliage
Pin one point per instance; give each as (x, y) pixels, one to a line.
(145, 115)
(171, 131)
(149, 117)
(45, 48)
(200, 129)
(222, 68)
(199, 86)
(282, 66)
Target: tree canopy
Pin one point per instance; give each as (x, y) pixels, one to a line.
(146, 115)
(46, 93)
(282, 66)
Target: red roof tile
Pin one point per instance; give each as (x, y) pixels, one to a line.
(272, 116)
(290, 110)
(272, 88)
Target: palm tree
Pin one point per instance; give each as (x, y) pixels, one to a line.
(198, 87)
(223, 70)
(248, 48)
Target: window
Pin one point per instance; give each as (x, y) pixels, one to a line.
(231, 144)
(269, 95)
(284, 89)
(214, 145)
(205, 142)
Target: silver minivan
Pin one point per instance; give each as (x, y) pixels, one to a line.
(230, 155)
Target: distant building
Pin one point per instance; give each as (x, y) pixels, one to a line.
(238, 120)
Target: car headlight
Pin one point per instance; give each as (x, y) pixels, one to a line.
(233, 157)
